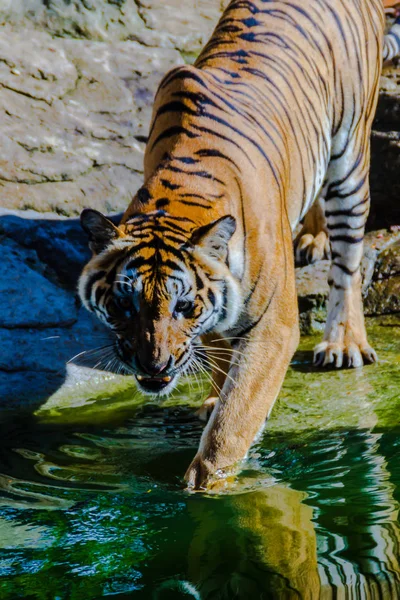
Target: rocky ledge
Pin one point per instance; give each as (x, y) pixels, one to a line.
(77, 80)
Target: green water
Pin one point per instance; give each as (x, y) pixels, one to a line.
(92, 503)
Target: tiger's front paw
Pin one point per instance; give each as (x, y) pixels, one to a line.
(349, 355)
(198, 473)
(309, 248)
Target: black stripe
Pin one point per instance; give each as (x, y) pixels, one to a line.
(332, 194)
(343, 225)
(345, 269)
(345, 238)
(223, 137)
(193, 203)
(254, 324)
(162, 202)
(211, 297)
(172, 131)
(137, 262)
(349, 212)
(169, 185)
(90, 282)
(224, 301)
(188, 160)
(171, 265)
(207, 152)
(100, 291)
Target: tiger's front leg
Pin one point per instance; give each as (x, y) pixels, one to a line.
(250, 390)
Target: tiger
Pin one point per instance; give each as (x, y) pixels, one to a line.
(274, 117)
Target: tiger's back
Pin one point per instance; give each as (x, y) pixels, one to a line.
(278, 85)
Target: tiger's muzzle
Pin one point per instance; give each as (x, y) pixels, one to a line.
(155, 376)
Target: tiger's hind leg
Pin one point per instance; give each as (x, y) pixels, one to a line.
(312, 243)
(346, 210)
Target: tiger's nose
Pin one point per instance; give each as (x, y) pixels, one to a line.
(153, 368)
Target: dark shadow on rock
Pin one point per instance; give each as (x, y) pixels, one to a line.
(42, 325)
(60, 244)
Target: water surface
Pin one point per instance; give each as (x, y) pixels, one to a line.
(92, 503)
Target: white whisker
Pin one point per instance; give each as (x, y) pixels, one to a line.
(213, 365)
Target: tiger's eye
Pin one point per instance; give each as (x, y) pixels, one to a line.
(124, 302)
(184, 307)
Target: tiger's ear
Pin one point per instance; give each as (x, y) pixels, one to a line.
(101, 231)
(214, 237)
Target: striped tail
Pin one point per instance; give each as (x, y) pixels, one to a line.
(391, 44)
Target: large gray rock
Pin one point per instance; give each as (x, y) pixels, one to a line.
(28, 299)
(75, 112)
(182, 24)
(73, 117)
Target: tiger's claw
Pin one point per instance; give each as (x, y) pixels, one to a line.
(346, 355)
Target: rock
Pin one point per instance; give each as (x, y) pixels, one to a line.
(28, 299)
(33, 361)
(388, 110)
(93, 19)
(383, 295)
(384, 179)
(34, 349)
(88, 112)
(380, 282)
(88, 100)
(312, 292)
(185, 25)
(60, 244)
(25, 389)
(35, 67)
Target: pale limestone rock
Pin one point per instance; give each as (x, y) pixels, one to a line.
(69, 141)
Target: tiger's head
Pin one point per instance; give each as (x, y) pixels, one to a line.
(159, 285)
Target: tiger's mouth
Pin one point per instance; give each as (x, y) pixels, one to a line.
(154, 385)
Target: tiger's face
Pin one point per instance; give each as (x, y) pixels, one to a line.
(159, 289)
